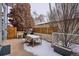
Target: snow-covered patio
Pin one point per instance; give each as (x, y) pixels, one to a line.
(43, 49)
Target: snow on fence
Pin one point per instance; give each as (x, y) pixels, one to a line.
(62, 38)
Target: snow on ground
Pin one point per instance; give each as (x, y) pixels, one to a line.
(75, 48)
(43, 49)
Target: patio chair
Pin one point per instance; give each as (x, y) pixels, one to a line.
(28, 40)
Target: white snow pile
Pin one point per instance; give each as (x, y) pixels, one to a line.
(75, 48)
(43, 49)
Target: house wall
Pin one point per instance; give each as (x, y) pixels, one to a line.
(5, 20)
(0, 23)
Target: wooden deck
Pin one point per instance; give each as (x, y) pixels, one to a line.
(17, 47)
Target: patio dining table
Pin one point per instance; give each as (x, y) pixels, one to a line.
(35, 38)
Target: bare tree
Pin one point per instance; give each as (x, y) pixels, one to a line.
(66, 17)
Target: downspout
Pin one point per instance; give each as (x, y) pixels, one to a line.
(0, 26)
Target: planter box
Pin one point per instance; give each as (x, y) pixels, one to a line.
(62, 50)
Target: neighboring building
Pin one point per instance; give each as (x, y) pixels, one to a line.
(42, 25)
(40, 19)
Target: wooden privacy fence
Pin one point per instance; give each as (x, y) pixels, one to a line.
(45, 30)
(12, 32)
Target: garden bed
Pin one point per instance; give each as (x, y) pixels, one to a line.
(62, 50)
